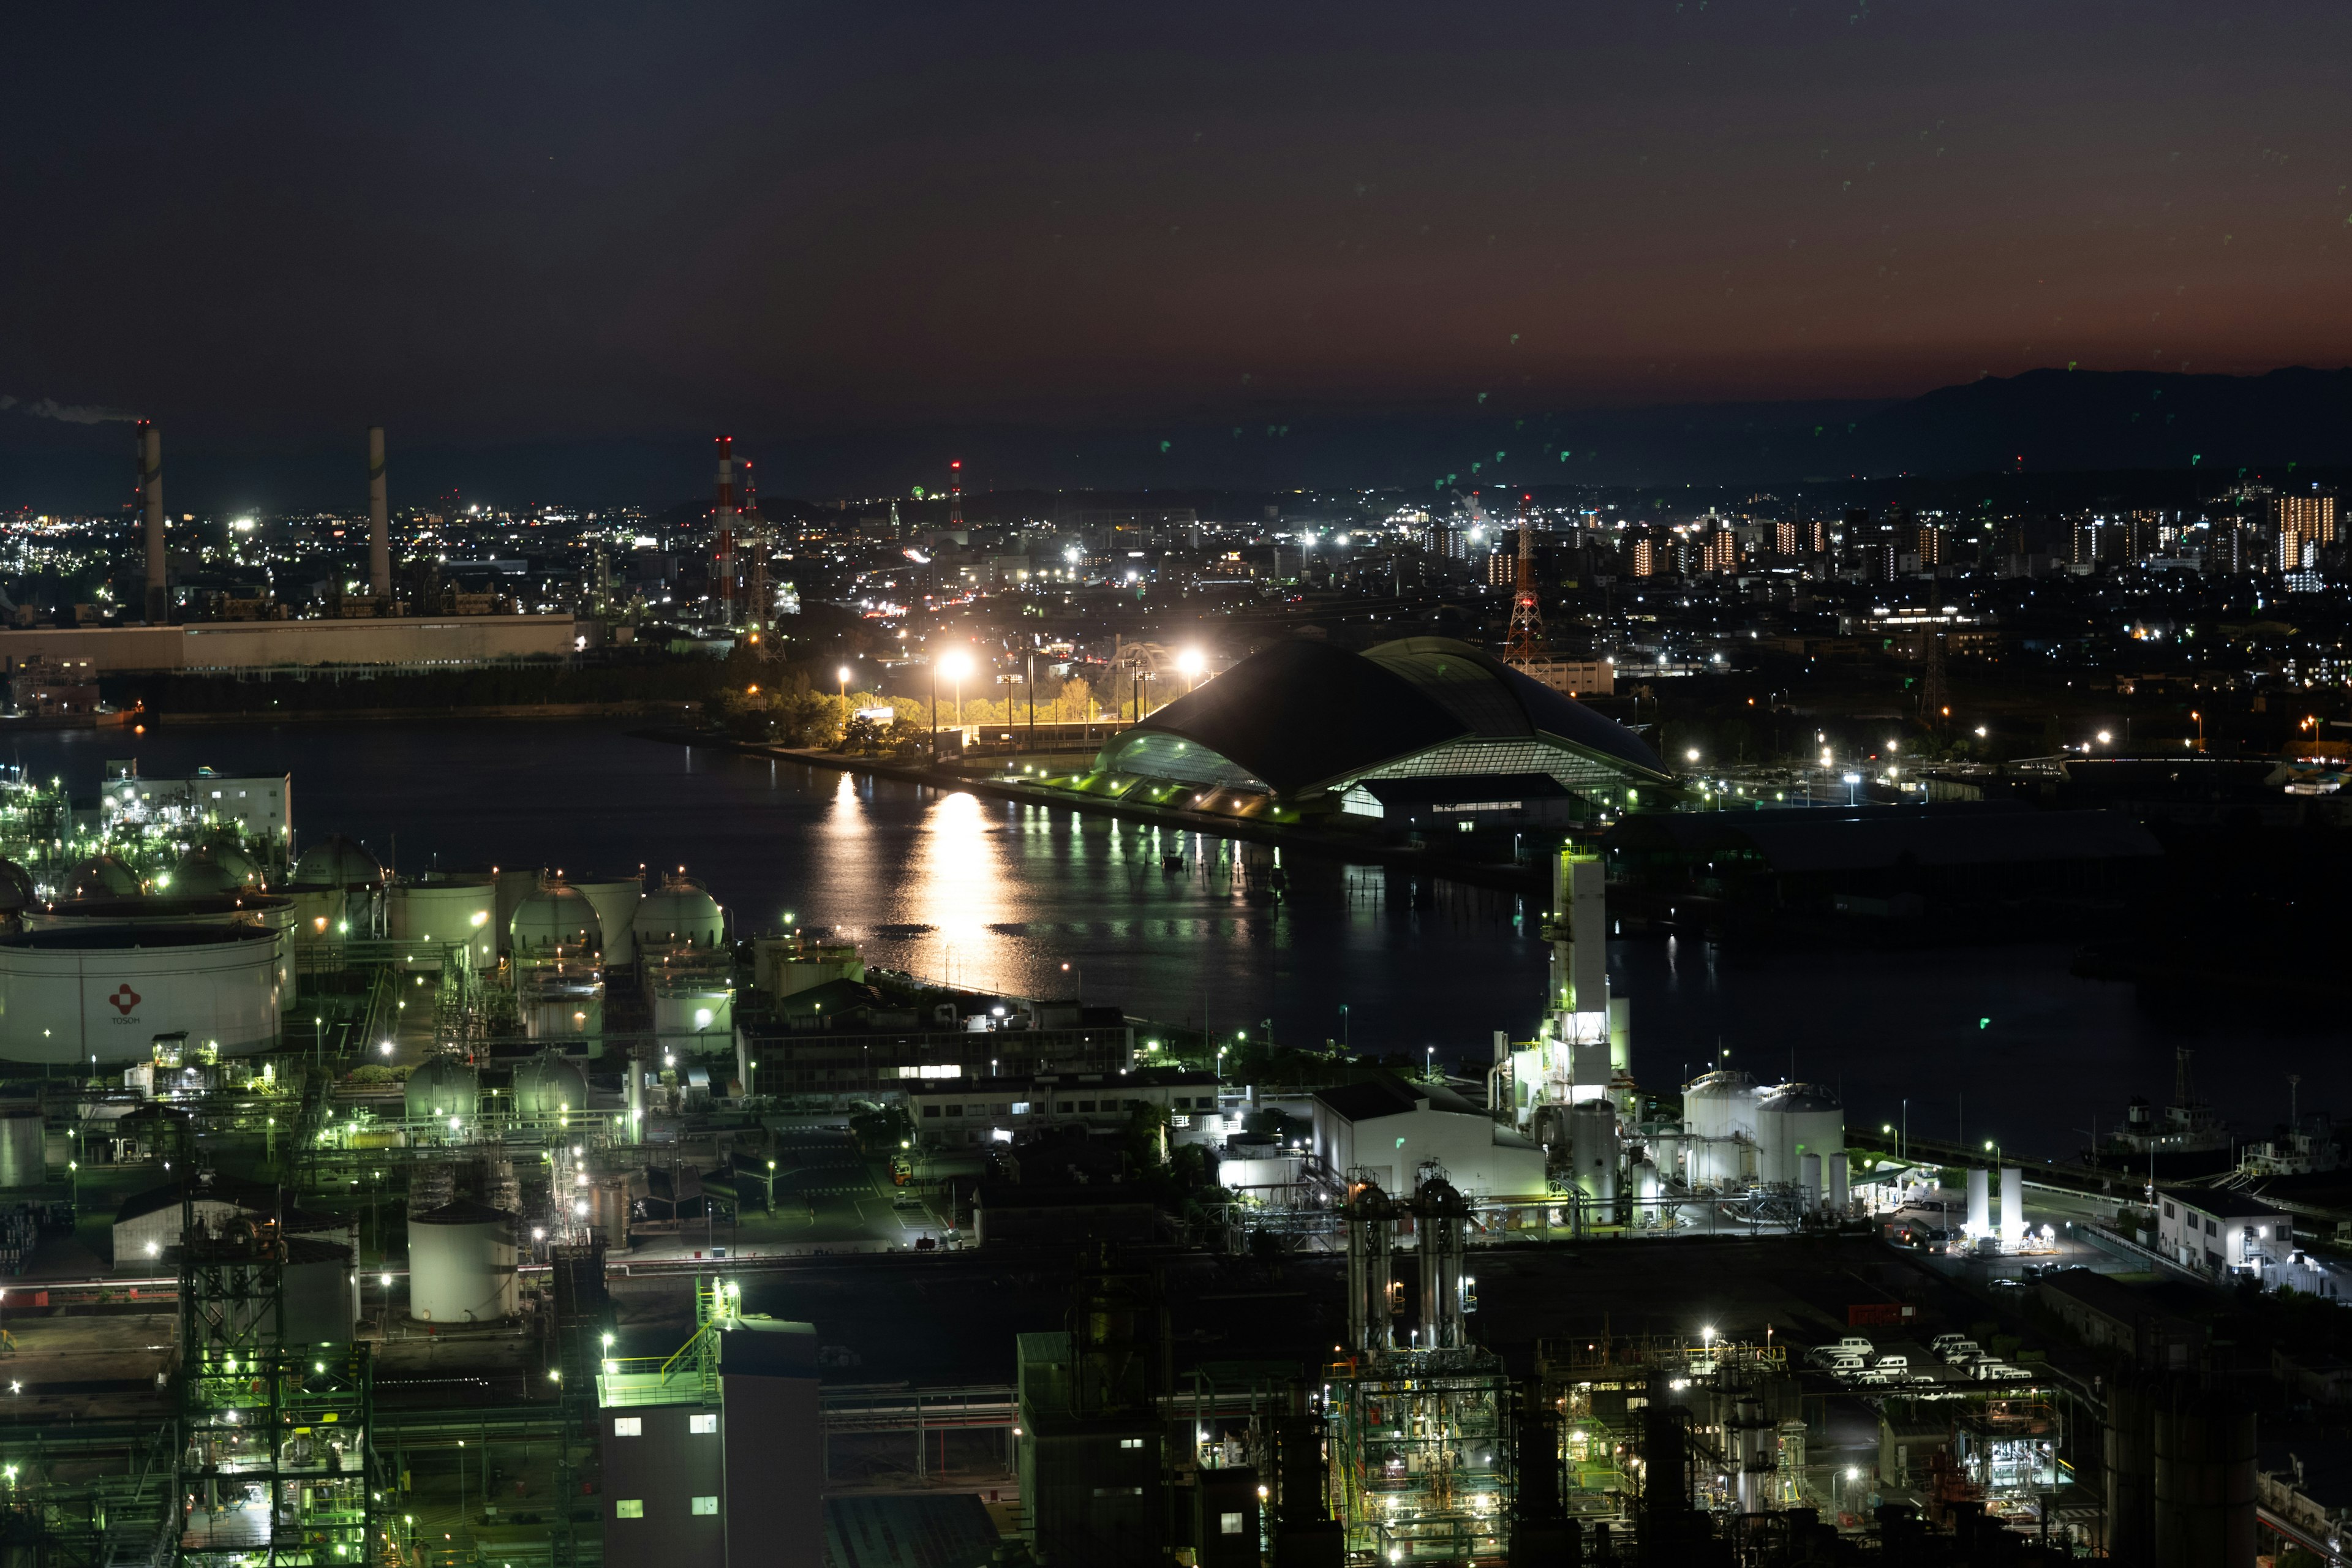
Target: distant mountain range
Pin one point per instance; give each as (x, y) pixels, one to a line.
(2042, 423)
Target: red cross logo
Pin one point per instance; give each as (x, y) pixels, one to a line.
(124, 999)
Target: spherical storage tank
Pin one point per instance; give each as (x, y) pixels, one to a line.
(104, 994)
(555, 915)
(461, 1264)
(102, 875)
(679, 913)
(336, 861)
(443, 1086)
(220, 866)
(1793, 1119)
(615, 900)
(547, 1086)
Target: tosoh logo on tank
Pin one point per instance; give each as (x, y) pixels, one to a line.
(125, 1002)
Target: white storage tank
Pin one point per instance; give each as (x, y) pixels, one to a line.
(435, 908)
(104, 994)
(1592, 1149)
(679, 914)
(461, 1265)
(1718, 1104)
(1793, 1119)
(615, 900)
(1718, 1107)
(547, 1086)
(695, 1015)
(560, 1004)
(320, 1295)
(442, 1086)
(557, 916)
(513, 884)
(24, 1149)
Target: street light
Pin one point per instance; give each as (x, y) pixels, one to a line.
(1190, 664)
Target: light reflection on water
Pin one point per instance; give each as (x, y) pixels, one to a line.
(1001, 895)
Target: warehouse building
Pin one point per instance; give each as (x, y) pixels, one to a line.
(1387, 1129)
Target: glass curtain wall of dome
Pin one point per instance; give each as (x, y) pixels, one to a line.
(1424, 732)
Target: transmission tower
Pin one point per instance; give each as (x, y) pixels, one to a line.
(1935, 696)
(1526, 639)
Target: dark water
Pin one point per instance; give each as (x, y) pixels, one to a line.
(1984, 1043)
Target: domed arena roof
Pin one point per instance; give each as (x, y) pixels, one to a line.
(1302, 716)
(337, 862)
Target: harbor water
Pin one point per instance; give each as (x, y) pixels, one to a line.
(1990, 1043)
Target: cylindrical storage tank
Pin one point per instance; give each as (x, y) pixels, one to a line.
(461, 1265)
(615, 900)
(1648, 1187)
(556, 917)
(103, 995)
(608, 1212)
(1717, 1104)
(548, 1087)
(24, 1146)
(1620, 1034)
(2204, 1482)
(102, 875)
(2012, 1204)
(1840, 1183)
(442, 1086)
(695, 1017)
(1793, 1119)
(1809, 1182)
(232, 907)
(438, 908)
(561, 1008)
(1592, 1149)
(430, 1186)
(679, 914)
(321, 1298)
(512, 884)
(1980, 1202)
(2130, 1455)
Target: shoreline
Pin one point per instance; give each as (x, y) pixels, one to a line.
(632, 708)
(1297, 840)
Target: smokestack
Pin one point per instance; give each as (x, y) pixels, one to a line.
(379, 518)
(150, 488)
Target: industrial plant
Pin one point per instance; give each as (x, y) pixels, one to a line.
(552, 1214)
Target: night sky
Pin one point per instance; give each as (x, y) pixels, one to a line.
(266, 227)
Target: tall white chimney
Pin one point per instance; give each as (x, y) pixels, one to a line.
(379, 518)
(150, 488)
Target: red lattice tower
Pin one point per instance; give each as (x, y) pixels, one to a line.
(1526, 639)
